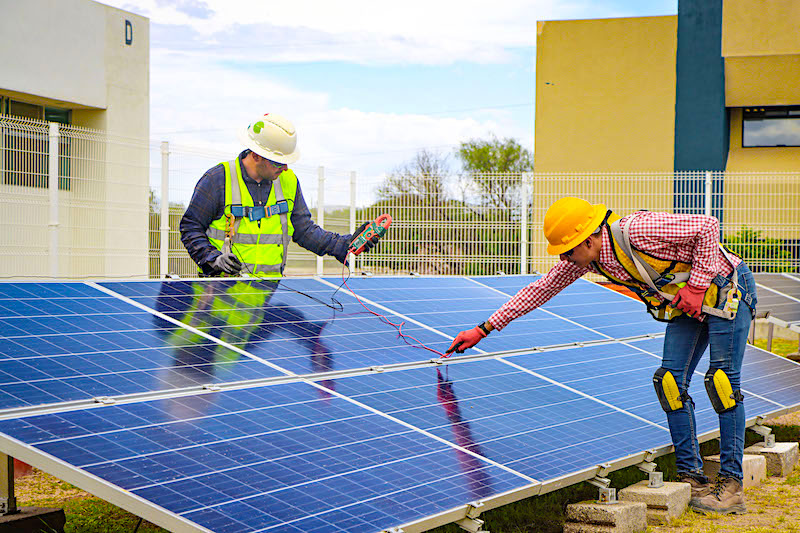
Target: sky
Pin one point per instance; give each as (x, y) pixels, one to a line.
(367, 83)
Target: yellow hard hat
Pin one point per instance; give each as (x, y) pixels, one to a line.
(570, 221)
(273, 137)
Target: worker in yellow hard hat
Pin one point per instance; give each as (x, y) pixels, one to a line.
(677, 266)
(244, 212)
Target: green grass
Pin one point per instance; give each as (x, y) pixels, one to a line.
(84, 514)
(779, 346)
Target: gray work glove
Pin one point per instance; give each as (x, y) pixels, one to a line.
(227, 263)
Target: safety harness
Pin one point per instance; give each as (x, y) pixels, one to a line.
(222, 231)
(658, 282)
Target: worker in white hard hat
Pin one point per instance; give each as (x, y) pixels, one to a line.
(244, 211)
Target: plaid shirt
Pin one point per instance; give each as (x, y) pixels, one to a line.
(687, 238)
(208, 204)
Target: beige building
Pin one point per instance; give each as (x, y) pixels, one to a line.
(658, 102)
(75, 81)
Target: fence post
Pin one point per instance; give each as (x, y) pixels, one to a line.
(52, 186)
(523, 222)
(708, 197)
(320, 210)
(163, 266)
(351, 266)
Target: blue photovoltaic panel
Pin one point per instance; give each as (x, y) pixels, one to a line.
(771, 376)
(507, 415)
(616, 373)
(780, 295)
(589, 304)
(69, 341)
(769, 382)
(288, 323)
(288, 458)
(453, 304)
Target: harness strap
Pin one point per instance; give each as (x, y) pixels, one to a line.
(621, 235)
(284, 221)
(236, 193)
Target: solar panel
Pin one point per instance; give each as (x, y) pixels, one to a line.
(508, 415)
(780, 294)
(622, 316)
(451, 305)
(289, 324)
(69, 341)
(288, 457)
(249, 445)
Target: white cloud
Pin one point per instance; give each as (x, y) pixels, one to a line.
(361, 31)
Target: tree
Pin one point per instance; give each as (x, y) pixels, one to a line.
(484, 159)
(424, 176)
(482, 156)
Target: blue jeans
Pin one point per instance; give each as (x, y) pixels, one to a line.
(685, 341)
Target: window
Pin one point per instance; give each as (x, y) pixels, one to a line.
(25, 152)
(771, 126)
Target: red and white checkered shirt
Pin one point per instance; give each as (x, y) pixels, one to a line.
(687, 238)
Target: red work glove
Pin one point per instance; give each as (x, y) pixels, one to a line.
(689, 299)
(466, 339)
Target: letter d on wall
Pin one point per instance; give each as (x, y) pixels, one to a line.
(128, 32)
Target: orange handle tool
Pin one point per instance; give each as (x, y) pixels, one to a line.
(377, 227)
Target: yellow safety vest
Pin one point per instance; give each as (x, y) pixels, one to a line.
(233, 316)
(669, 272)
(261, 246)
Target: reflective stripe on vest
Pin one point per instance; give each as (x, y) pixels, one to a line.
(261, 246)
(652, 276)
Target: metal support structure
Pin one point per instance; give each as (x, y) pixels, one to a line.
(8, 503)
(770, 334)
(163, 251)
(52, 187)
(606, 494)
(471, 522)
(320, 210)
(655, 479)
(709, 191)
(764, 431)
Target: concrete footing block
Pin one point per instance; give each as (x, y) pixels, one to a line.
(663, 503)
(754, 468)
(34, 520)
(781, 458)
(593, 517)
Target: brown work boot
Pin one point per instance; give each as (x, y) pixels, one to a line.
(699, 489)
(727, 497)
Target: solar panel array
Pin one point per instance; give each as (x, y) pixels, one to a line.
(780, 294)
(243, 406)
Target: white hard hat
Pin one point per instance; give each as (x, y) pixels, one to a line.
(271, 136)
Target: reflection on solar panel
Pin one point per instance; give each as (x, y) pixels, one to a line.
(239, 406)
(780, 295)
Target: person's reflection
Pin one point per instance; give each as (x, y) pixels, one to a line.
(475, 469)
(238, 313)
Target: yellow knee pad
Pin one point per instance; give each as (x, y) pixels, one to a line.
(720, 391)
(667, 390)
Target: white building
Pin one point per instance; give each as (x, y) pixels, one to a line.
(74, 80)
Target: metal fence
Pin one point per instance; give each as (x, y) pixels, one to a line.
(79, 203)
